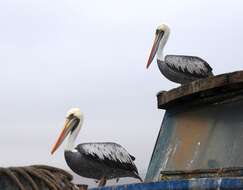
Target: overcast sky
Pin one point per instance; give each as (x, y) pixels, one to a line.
(55, 55)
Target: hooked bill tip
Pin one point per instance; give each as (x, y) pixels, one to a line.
(147, 66)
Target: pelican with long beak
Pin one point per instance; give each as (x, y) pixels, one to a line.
(101, 160)
(177, 68)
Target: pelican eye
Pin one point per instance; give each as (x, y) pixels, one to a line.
(158, 31)
(75, 124)
(70, 116)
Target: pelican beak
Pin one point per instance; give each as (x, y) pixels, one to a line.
(65, 131)
(158, 37)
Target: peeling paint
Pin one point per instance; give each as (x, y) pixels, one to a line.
(200, 138)
(195, 155)
(164, 162)
(219, 183)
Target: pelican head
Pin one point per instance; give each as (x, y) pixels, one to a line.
(72, 125)
(161, 37)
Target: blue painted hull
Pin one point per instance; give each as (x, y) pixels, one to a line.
(201, 183)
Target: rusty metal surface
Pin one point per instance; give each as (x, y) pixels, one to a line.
(203, 173)
(209, 90)
(202, 137)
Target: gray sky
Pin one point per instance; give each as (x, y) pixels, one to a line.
(55, 55)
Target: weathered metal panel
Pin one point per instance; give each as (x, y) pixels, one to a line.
(200, 92)
(202, 137)
(202, 173)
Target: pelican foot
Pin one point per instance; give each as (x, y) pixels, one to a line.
(102, 182)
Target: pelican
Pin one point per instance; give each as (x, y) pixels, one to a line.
(177, 68)
(101, 161)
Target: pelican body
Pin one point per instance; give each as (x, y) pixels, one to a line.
(101, 160)
(177, 68)
(88, 163)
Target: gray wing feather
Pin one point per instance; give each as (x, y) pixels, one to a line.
(110, 151)
(189, 64)
(110, 154)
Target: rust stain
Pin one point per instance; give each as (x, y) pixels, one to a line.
(202, 173)
(192, 130)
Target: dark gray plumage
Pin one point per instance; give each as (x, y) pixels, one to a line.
(183, 69)
(97, 160)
